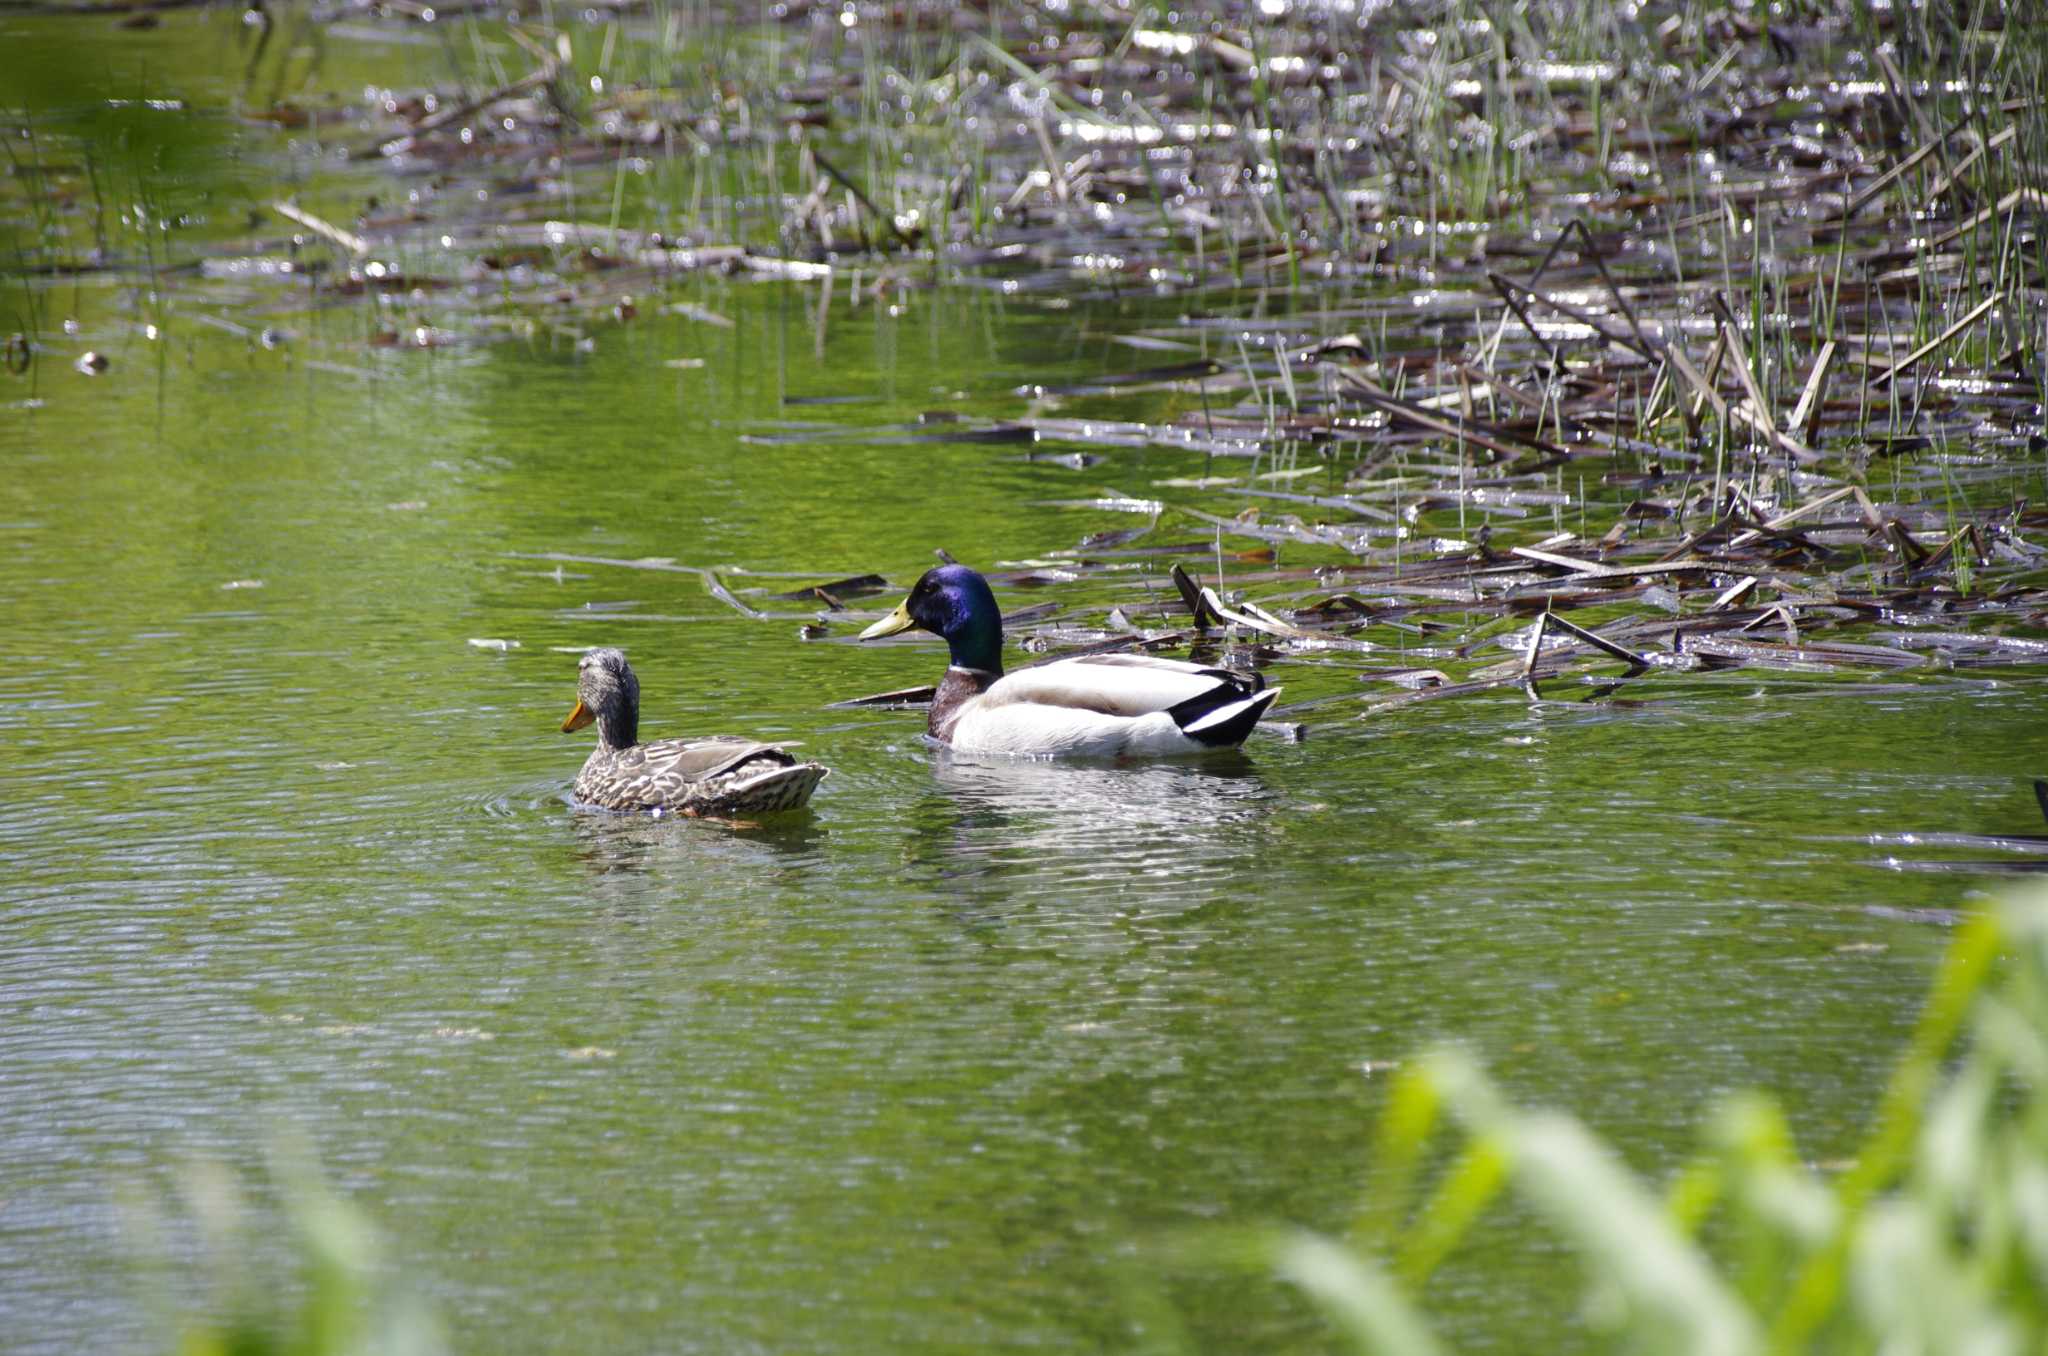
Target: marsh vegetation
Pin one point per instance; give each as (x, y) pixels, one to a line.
(1619, 428)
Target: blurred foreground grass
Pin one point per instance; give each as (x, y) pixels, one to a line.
(330, 1290)
(1934, 1239)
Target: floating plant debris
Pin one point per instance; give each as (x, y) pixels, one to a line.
(1606, 356)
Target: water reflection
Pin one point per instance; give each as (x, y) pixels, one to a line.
(610, 843)
(1031, 831)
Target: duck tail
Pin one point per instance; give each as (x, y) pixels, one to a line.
(772, 791)
(1227, 723)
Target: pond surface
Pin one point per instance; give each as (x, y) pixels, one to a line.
(915, 1070)
(288, 851)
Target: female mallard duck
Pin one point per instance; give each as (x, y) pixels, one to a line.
(1091, 706)
(721, 776)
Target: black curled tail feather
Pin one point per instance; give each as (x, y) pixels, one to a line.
(1225, 717)
(1230, 687)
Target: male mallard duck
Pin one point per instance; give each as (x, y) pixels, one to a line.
(1091, 706)
(721, 776)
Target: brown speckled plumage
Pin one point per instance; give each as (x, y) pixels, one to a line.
(723, 776)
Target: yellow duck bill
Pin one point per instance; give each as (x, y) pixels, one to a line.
(899, 620)
(579, 716)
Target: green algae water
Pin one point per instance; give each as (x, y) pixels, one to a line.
(913, 1071)
(286, 852)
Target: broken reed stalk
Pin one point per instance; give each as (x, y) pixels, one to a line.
(348, 240)
(1902, 168)
(540, 78)
(1757, 412)
(860, 196)
(1977, 312)
(1806, 414)
(1484, 435)
(1598, 641)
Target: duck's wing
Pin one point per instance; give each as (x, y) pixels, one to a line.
(686, 763)
(1114, 705)
(728, 778)
(1124, 685)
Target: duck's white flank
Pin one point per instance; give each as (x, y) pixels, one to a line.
(1103, 706)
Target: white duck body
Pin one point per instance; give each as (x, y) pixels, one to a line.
(1099, 706)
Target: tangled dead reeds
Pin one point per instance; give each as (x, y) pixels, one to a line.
(1565, 348)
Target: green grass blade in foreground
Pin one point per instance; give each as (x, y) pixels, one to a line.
(1467, 1188)
(1356, 1295)
(1936, 1238)
(1778, 1212)
(329, 1292)
(1962, 973)
(1403, 1134)
(1670, 1292)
